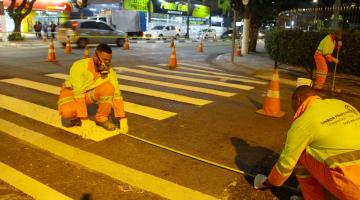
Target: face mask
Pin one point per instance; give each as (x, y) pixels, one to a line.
(102, 67)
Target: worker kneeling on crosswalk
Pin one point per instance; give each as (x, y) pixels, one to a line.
(92, 80)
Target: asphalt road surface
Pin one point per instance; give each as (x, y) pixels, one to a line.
(193, 130)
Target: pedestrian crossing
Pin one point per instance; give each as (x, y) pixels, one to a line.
(144, 74)
(51, 117)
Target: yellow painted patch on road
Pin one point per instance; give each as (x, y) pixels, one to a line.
(25, 183)
(145, 111)
(281, 80)
(102, 165)
(222, 76)
(165, 84)
(209, 82)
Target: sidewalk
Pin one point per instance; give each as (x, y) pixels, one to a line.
(260, 65)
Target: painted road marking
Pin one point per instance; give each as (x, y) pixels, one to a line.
(165, 84)
(145, 111)
(102, 165)
(222, 76)
(201, 66)
(50, 117)
(154, 93)
(282, 80)
(27, 184)
(210, 82)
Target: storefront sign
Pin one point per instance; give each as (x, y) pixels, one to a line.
(139, 5)
(167, 7)
(54, 5)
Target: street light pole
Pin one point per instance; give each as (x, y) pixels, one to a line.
(188, 19)
(3, 22)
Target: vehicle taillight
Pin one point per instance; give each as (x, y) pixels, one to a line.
(74, 25)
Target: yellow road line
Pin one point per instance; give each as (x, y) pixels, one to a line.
(102, 165)
(27, 184)
(145, 111)
(210, 82)
(165, 84)
(222, 76)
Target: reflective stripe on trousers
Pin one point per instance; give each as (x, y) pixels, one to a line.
(313, 176)
(321, 70)
(103, 95)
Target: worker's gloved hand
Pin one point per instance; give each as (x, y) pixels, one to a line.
(124, 128)
(336, 61)
(87, 128)
(259, 181)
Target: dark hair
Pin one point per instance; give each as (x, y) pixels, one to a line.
(103, 48)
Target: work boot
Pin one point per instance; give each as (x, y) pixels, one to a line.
(70, 122)
(108, 125)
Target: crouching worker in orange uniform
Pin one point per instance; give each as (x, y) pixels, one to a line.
(323, 55)
(322, 147)
(91, 80)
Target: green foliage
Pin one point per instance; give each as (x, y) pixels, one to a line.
(297, 48)
(15, 36)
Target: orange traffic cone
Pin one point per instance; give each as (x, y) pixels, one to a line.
(238, 50)
(172, 44)
(51, 52)
(200, 48)
(173, 62)
(126, 43)
(68, 48)
(87, 52)
(271, 105)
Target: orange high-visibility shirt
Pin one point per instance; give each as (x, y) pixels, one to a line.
(329, 130)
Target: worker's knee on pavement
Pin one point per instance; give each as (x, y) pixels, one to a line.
(67, 111)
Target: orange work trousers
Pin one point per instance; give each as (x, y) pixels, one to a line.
(342, 182)
(69, 108)
(321, 70)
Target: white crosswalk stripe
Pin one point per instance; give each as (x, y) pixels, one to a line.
(27, 184)
(148, 92)
(129, 107)
(209, 82)
(99, 164)
(217, 75)
(200, 66)
(93, 162)
(161, 83)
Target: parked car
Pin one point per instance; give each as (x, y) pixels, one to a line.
(228, 35)
(206, 34)
(84, 31)
(162, 32)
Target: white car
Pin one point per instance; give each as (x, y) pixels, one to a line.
(162, 33)
(206, 34)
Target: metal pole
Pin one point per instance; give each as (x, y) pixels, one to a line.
(188, 20)
(234, 35)
(336, 64)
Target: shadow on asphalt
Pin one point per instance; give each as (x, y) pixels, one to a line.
(254, 160)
